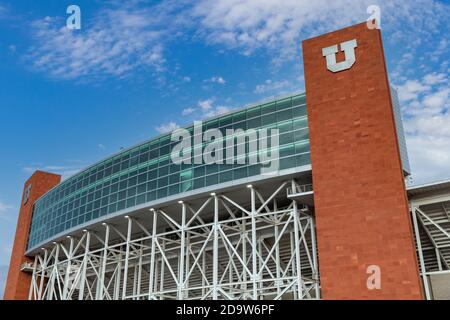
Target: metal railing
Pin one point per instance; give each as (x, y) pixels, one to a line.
(296, 189)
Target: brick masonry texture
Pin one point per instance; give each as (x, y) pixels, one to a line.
(18, 282)
(360, 199)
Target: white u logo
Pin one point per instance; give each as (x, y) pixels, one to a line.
(349, 50)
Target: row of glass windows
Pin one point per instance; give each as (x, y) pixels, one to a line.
(92, 210)
(111, 190)
(136, 176)
(148, 182)
(291, 130)
(271, 113)
(168, 169)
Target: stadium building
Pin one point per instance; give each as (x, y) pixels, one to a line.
(334, 221)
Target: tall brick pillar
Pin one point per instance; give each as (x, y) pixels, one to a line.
(360, 199)
(18, 282)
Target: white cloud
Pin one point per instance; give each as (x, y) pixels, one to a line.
(279, 26)
(222, 109)
(218, 80)
(126, 38)
(101, 146)
(272, 24)
(411, 89)
(115, 42)
(434, 78)
(187, 111)
(429, 155)
(167, 127)
(208, 109)
(206, 105)
(270, 85)
(186, 79)
(437, 100)
(427, 126)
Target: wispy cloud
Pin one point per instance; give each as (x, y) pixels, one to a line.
(217, 79)
(115, 43)
(279, 26)
(426, 108)
(271, 24)
(187, 111)
(411, 89)
(167, 127)
(121, 39)
(271, 86)
(207, 109)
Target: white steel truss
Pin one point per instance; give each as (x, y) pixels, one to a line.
(260, 248)
(431, 222)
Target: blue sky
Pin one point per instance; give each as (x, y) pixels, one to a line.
(69, 98)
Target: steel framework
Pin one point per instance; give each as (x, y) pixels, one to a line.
(431, 222)
(260, 248)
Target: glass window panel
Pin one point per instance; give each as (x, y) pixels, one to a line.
(162, 182)
(174, 178)
(253, 112)
(285, 115)
(240, 172)
(254, 170)
(121, 205)
(212, 168)
(254, 123)
(199, 171)
(141, 188)
(268, 119)
(239, 116)
(162, 193)
(131, 202)
(140, 199)
(173, 189)
(303, 159)
(151, 185)
(151, 196)
(211, 179)
(268, 108)
(226, 176)
(299, 111)
(225, 120)
(286, 138)
(186, 186)
(287, 163)
(301, 135)
(298, 100)
(199, 183)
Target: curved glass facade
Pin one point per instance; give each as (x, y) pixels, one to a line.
(146, 173)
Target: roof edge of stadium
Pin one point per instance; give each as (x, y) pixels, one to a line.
(427, 187)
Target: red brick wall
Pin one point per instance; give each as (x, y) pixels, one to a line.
(18, 282)
(359, 192)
